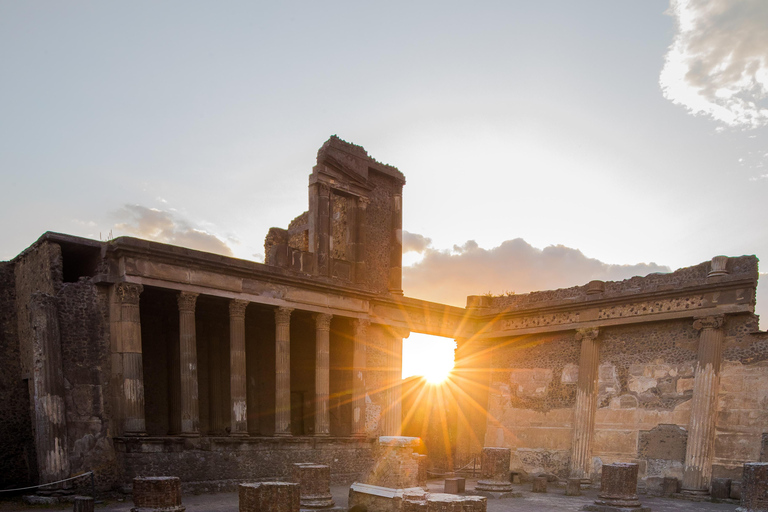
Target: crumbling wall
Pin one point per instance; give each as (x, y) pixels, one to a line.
(379, 230)
(18, 467)
(83, 320)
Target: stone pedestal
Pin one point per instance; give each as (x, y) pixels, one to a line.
(157, 494)
(494, 470)
(670, 485)
(421, 460)
(721, 488)
(269, 497)
(754, 488)
(455, 485)
(573, 487)
(539, 484)
(618, 491)
(314, 483)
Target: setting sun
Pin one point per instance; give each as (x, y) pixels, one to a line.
(429, 356)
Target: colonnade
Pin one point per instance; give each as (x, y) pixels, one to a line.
(128, 377)
(701, 425)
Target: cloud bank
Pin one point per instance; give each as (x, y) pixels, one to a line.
(514, 266)
(165, 227)
(718, 62)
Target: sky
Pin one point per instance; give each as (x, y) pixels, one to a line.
(553, 142)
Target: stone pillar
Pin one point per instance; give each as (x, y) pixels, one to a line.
(269, 496)
(586, 404)
(190, 411)
(618, 488)
(358, 377)
(157, 493)
(127, 372)
(396, 248)
(362, 238)
(701, 426)
(322, 374)
(315, 484)
(494, 470)
(754, 487)
(283, 371)
(320, 226)
(48, 378)
(237, 377)
(393, 416)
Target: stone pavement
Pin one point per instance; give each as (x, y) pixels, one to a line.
(554, 500)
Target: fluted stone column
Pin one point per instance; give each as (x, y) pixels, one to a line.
(125, 330)
(394, 413)
(190, 408)
(701, 426)
(237, 376)
(586, 404)
(359, 351)
(48, 377)
(283, 371)
(322, 374)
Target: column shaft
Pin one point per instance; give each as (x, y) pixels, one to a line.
(125, 329)
(586, 404)
(190, 412)
(48, 376)
(358, 377)
(322, 374)
(283, 371)
(701, 427)
(238, 392)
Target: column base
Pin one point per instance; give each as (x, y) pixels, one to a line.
(282, 434)
(323, 434)
(189, 434)
(238, 434)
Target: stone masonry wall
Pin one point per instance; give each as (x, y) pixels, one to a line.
(17, 453)
(83, 320)
(377, 252)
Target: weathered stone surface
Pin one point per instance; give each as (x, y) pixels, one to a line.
(721, 488)
(573, 487)
(494, 470)
(83, 504)
(157, 493)
(539, 484)
(618, 486)
(754, 488)
(670, 485)
(315, 483)
(269, 497)
(455, 485)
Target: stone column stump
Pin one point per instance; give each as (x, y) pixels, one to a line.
(618, 491)
(440, 502)
(422, 475)
(157, 493)
(474, 503)
(754, 488)
(83, 504)
(269, 497)
(494, 470)
(314, 483)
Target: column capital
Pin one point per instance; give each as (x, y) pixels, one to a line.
(322, 321)
(363, 202)
(361, 326)
(237, 308)
(590, 333)
(709, 322)
(283, 315)
(128, 293)
(187, 301)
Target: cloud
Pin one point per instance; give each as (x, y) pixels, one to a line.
(163, 226)
(513, 266)
(414, 242)
(718, 62)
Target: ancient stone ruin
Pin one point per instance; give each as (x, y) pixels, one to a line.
(130, 358)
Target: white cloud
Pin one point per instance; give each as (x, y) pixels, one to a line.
(163, 226)
(718, 62)
(514, 266)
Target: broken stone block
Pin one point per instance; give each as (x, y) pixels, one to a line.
(494, 470)
(573, 487)
(474, 503)
(539, 484)
(161, 493)
(735, 490)
(721, 488)
(670, 485)
(456, 485)
(269, 497)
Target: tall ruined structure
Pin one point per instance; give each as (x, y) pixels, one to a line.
(132, 357)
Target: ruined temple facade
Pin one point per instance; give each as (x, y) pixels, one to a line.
(130, 357)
